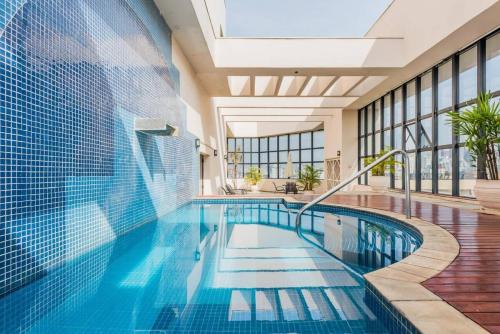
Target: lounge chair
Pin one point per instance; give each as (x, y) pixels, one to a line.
(278, 189)
(234, 191)
(226, 192)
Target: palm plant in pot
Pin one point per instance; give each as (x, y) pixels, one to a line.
(309, 178)
(480, 125)
(253, 177)
(377, 178)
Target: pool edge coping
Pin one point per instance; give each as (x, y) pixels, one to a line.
(400, 284)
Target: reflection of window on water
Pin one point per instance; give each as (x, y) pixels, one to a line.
(380, 246)
(273, 214)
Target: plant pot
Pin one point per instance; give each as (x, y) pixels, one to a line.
(488, 193)
(254, 188)
(378, 183)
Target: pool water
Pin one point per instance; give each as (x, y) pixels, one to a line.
(218, 268)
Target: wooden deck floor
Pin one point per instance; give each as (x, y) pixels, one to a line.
(472, 282)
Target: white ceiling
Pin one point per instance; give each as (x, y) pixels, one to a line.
(302, 86)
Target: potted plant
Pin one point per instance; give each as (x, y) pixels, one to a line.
(253, 177)
(377, 178)
(480, 125)
(309, 178)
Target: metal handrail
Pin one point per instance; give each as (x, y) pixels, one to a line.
(354, 177)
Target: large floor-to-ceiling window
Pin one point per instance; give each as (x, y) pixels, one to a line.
(414, 117)
(270, 154)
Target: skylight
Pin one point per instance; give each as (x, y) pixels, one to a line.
(302, 18)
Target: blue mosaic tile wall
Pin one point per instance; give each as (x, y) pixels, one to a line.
(73, 173)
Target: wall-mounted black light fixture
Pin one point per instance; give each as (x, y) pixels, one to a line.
(197, 142)
(215, 153)
(338, 153)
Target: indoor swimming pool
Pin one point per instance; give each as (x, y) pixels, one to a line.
(219, 267)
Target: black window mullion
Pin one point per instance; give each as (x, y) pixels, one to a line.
(392, 133)
(481, 87)
(434, 129)
(418, 163)
(454, 137)
(403, 134)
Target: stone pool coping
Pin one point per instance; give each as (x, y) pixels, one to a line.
(400, 284)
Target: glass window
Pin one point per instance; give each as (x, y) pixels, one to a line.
(467, 75)
(263, 157)
(305, 156)
(377, 142)
(273, 143)
(398, 173)
(444, 171)
(387, 139)
(466, 173)
(246, 158)
(255, 158)
(273, 157)
(411, 108)
(247, 145)
(444, 85)
(263, 144)
(426, 132)
(426, 94)
(255, 144)
(362, 146)
(426, 171)
(413, 184)
(264, 170)
(398, 137)
(239, 171)
(294, 142)
(410, 137)
(305, 140)
(273, 171)
(444, 131)
(230, 171)
(295, 156)
(318, 139)
(493, 63)
(319, 166)
(231, 144)
(239, 144)
(281, 171)
(318, 154)
(377, 115)
(398, 107)
(369, 122)
(369, 142)
(283, 156)
(362, 122)
(387, 111)
(283, 142)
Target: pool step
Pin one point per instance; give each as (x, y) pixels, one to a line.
(271, 253)
(277, 264)
(283, 279)
(288, 305)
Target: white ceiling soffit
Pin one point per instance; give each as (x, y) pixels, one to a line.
(284, 102)
(265, 85)
(366, 85)
(343, 85)
(291, 85)
(239, 85)
(316, 85)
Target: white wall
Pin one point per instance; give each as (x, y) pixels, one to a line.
(349, 147)
(201, 120)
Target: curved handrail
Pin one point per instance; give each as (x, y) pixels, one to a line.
(354, 177)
